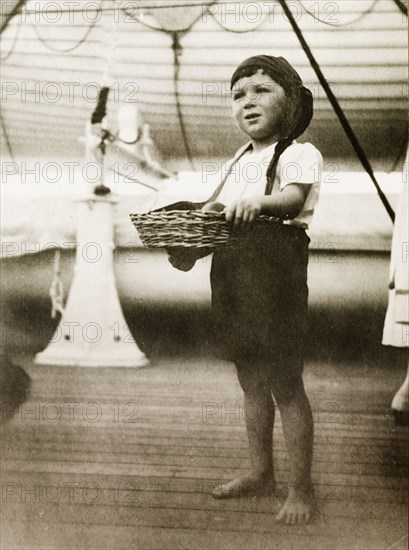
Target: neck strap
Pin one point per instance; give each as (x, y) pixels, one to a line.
(219, 188)
(271, 171)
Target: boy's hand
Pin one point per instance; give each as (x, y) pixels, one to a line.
(241, 213)
(185, 258)
(181, 258)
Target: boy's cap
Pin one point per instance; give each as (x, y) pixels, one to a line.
(278, 67)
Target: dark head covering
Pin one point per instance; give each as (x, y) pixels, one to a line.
(300, 100)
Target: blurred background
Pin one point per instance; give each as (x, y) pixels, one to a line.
(171, 63)
(175, 65)
(167, 133)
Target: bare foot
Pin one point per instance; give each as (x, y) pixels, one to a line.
(248, 486)
(300, 506)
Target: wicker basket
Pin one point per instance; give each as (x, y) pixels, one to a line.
(188, 228)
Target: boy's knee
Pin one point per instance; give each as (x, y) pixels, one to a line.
(286, 387)
(252, 379)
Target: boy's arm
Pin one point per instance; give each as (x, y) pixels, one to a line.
(285, 204)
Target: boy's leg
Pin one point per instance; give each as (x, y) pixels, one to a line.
(259, 418)
(297, 422)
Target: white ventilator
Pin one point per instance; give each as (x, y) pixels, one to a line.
(92, 331)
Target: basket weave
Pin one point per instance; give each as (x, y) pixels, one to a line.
(189, 228)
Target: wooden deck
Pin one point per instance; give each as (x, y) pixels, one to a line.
(125, 459)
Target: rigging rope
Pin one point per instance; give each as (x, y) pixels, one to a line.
(149, 7)
(401, 6)
(67, 50)
(237, 31)
(6, 137)
(134, 142)
(338, 110)
(15, 11)
(177, 49)
(13, 45)
(115, 9)
(72, 48)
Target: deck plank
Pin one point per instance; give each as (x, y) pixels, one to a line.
(154, 474)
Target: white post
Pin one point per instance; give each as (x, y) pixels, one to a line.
(93, 331)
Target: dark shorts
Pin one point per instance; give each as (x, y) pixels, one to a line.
(259, 299)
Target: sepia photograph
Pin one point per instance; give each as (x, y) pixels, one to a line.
(204, 300)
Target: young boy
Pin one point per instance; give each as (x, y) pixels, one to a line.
(259, 278)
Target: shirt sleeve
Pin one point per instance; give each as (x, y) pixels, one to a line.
(300, 163)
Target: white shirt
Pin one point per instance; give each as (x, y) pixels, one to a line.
(300, 163)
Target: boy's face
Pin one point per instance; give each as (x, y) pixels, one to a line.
(259, 107)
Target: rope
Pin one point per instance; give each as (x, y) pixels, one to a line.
(134, 142)
(13, 46)
(67, 50)
(176, 47)
(187, 5)
(56, 291)
(337, 108)
(340, 25)
(401, 6)
(15, 11)
(6, 137)
(114, 9)
(236, 31)
(143, 22)
(61, 11)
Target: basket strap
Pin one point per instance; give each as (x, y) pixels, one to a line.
(219, 188)
(270, 181)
